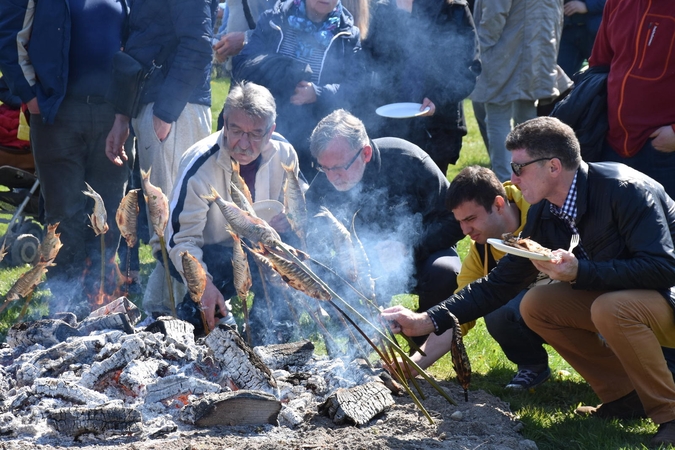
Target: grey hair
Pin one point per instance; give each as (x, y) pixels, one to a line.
(254, 100)
(339, 123)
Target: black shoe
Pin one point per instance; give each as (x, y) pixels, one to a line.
(665, 435)
(527, 379)
(627, 407)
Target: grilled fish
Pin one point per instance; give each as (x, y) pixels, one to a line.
(195, 276)
(244, 224)
(126, 217)
(98, 218)
(50, 245)
(158, 204)
(294, 202)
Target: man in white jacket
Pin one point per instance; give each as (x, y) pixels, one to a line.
(197, 225)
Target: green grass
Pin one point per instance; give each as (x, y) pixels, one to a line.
(547, 413)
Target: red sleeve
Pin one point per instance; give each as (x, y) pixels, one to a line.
(602, 50)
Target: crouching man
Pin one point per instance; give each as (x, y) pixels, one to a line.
(617, 283)
(198, 226)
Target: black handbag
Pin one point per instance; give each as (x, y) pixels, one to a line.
(126, 87)
(128, 80)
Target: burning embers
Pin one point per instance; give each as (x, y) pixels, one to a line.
(102, 377)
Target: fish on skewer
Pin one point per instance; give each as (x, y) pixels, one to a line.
(240, 199)
(50, 245)
(238, 181)
(241, 278)
(460, 358)
(158, 204)
(99, 217)
(297, 278)
(24, 286)
(295, 204)
(342, 243)
(195, 281)
(158, 212)
(244, 224)
(127, 216)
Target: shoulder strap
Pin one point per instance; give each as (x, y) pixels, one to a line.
(247, 13)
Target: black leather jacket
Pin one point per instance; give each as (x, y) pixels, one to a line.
(627, 226)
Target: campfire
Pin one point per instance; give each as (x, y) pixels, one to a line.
(105, 377)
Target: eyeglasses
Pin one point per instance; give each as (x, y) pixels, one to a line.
(346, 167)
(253, 136)
(518, 168)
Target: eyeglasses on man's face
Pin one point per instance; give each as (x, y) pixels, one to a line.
(346, 167)
(253, 136)
(518, 168)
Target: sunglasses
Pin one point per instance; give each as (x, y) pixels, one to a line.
(518, 168)
(346, 167)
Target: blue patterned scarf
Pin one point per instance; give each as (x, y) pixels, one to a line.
(322, 32)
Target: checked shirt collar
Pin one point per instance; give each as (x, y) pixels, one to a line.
(568, 213)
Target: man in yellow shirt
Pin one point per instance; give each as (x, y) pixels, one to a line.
(486, 209)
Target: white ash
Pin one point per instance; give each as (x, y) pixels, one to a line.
(109, 384)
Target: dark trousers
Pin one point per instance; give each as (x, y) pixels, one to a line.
(521, 345)
(576, 44)
(67, 153)
(437, 278)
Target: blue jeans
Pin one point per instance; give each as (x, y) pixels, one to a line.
(576, 44)
(521, 345)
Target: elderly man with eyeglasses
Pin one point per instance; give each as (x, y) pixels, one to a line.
(613, 309)
(197, 225)
(394, 195)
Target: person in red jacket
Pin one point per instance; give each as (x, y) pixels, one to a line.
(635, 40)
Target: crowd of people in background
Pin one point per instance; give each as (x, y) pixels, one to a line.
(306, 79)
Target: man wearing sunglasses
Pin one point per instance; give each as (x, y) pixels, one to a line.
(197, 226)
(618, 283)
(394, 195)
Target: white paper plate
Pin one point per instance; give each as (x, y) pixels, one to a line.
(266, 209)
(401, 110)
(500, 245)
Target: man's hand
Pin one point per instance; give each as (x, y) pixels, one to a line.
(280, 223)
(401, 319)
(428, 103)
(664, 139)
(304, 94)
(162, 129)
(114, 143)
(229, 44)
(32, 105)
(564, 268)
(575, 7)
(212, 298)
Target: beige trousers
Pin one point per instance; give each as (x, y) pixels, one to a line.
(613, 339)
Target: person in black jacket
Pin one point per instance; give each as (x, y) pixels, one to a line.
(303, 51)
(394, 194)
(423, 51)
(617, 283)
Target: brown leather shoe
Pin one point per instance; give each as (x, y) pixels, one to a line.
(627, 407)
(665, 435)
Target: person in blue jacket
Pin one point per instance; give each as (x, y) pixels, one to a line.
(57, 56)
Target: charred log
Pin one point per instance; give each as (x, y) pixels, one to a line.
(110, 420)
(46, 332)
(121, 305)
(282, 356)
(357, 405)
(242, 407)
(130, 350)
(174, 330)
(68, 390)
(175, 385)
(238, 360)
(115, 321)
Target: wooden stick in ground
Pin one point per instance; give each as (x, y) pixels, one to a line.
(394, 345)
(167, 274)
(101, 289)
(21, 315)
